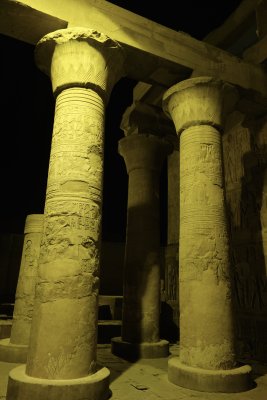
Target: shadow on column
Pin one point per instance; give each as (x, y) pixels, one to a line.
(248, 256)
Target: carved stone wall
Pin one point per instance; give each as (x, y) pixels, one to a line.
(10, 255)
(170, 304)
(245, 160)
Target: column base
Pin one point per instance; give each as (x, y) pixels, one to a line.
(134, 351)
(225, 381)
(5, 328)
(13, 353)
(92, 387)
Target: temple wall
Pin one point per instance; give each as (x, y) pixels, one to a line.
(245, 160)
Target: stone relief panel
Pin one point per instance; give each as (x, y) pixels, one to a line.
(236, 143)
(245, 154)
(74, 190)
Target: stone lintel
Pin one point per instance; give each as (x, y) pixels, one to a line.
(155, 53)
(141, 118)
(25, 23)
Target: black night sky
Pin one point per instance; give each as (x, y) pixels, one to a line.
(27, 109)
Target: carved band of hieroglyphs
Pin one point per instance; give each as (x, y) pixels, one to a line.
(76, 215)
(236, 143)
(202, 213)
(76, 161)
(72, 230)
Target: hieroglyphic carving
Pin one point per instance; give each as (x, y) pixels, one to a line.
(171, 273)
(72, 125)
(76, 160)
(72, 231)
(236, 143)
(25, 292)
(245, 162)
(202, 219)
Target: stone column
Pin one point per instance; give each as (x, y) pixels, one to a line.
(15, 348)
(144, 156)
(207, 356)
(83, 65)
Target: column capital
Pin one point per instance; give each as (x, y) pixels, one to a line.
(80, 57)
(199, 101)
(144, 151)
(141, 118)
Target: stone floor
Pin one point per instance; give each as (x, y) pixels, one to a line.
(147, 380)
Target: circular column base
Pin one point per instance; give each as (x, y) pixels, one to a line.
(134, 351)
(225, 381)
(5, 328)
(92, 387)
(13, 353)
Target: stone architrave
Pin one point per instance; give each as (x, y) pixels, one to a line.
(144, 156)
(207, 361)
(83, 65)
(15, 348)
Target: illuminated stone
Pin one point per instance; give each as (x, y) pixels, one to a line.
(144, 156)
(84, 65)
(207, 360)
(14, 349)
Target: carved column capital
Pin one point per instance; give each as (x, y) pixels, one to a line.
(141, 118)
(144, 151)
(199, 101)
(80, 57)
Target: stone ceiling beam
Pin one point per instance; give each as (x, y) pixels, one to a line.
(234, 26)
(155, 54)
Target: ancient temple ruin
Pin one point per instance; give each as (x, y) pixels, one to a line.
(198, 106)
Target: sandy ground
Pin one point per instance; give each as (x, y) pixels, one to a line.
(147, 380)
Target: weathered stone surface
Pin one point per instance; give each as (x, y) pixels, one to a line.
(90, 387)
(173, 196)
(62, 54)
(197, 107)
(155, 54)
(69, 260)
(64, 324)
(15, 347)
(25, 292)
(245, 160)
(143, 155)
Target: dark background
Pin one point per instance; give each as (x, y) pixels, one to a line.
(27, 110)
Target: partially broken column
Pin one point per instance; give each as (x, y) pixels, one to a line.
(83, 65)
(15, 348)
(207, 359)
(143, 155)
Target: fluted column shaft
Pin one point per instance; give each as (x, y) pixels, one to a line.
(143, 157)
(198, 107)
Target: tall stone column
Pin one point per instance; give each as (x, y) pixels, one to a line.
(83, 65)
(207, 360)
(144, 156)
(15, 348)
